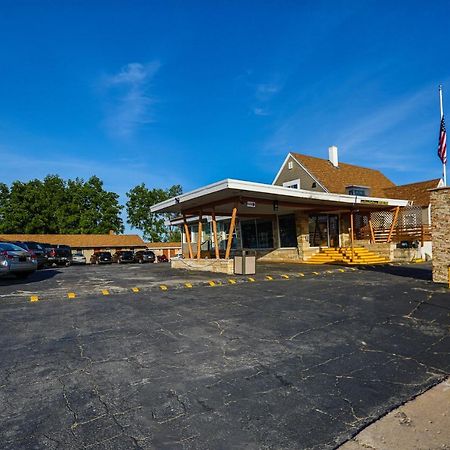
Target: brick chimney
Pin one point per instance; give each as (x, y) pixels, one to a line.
(333, 155)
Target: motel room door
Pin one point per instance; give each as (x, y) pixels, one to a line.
(324, 230)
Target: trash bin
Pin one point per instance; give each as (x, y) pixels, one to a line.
(245, 264)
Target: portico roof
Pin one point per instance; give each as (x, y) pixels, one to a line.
(257, 198)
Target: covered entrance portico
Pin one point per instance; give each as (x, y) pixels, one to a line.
(276, 222)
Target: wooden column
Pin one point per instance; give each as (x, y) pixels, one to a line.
(352, 234)
(199, 236)
(214, 225)
(230, 233)
(394, 222)
(372, 233)
(187, 232)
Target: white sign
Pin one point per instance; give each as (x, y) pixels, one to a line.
(251, 204)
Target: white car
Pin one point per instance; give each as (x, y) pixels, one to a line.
(78, 258)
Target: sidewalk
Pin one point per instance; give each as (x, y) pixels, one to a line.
(421, 424)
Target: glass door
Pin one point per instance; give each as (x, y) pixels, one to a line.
(333, 230)
(318, 231)
(324, 230)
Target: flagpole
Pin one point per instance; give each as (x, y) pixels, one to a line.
(444, 168)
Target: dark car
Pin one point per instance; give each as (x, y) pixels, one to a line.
(162, 258)
(35, 250)
(123, 256)
(101, 258)
(60, 255)
(15, 260)
(144, 256)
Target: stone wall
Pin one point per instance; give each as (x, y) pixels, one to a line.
(279, 255)
(440, 232)
(204, 265)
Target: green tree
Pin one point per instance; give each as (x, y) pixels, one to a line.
(56, 206)
(153, 225)
(4, 205)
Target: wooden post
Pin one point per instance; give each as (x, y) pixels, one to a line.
(230, 233)
(214, 225)
(352, 234)
(394, 222)
(372, 233)
(187, 232)
(199, 236)
(422, 235)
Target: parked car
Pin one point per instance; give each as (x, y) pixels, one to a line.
(101, 258)
(58, 254)
(78, 259)
(16, 261)
(123, 256)
(162, 259)
(35, 249)
(144, 256)
(178, 256)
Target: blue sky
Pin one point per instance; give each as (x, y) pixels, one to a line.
(190, 92)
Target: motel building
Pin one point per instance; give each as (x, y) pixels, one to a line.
(316, 210)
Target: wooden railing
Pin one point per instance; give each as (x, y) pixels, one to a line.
(419, 233)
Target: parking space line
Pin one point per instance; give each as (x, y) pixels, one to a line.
(315, 273)
(34, 298)
(231, 281)
(301, 274)
(269, 278)
(163, 287)
(286, 277)
(188, 285)
(105, 292)
(135, 290)
(71, 295)
(252, 280)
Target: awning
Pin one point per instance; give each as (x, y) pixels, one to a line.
(256, 199)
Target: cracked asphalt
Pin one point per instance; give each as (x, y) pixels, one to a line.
(286, 364)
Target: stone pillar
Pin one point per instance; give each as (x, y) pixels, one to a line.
(440, 233)
(302, 227)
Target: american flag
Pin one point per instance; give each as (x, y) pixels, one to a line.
(442, 147)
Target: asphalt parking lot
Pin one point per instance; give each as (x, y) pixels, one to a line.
(302, 362)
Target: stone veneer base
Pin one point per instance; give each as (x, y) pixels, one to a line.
(205, 265)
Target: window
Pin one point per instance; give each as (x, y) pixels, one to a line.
(290, 165)
(288, 232)
(257, 233)
(293, 184)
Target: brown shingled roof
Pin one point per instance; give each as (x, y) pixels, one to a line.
(417, 192)
(80, 240)
(157, 245)
(336, 179)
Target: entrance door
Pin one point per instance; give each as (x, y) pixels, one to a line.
(333, 230)
(324, 230)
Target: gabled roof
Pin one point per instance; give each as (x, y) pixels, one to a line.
(417, 192)
(336, 179)
(80, 240)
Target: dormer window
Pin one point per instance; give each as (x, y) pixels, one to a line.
(359, 191)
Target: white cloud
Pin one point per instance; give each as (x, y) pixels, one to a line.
(128, 98)
(260, 112)
(265, 91)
